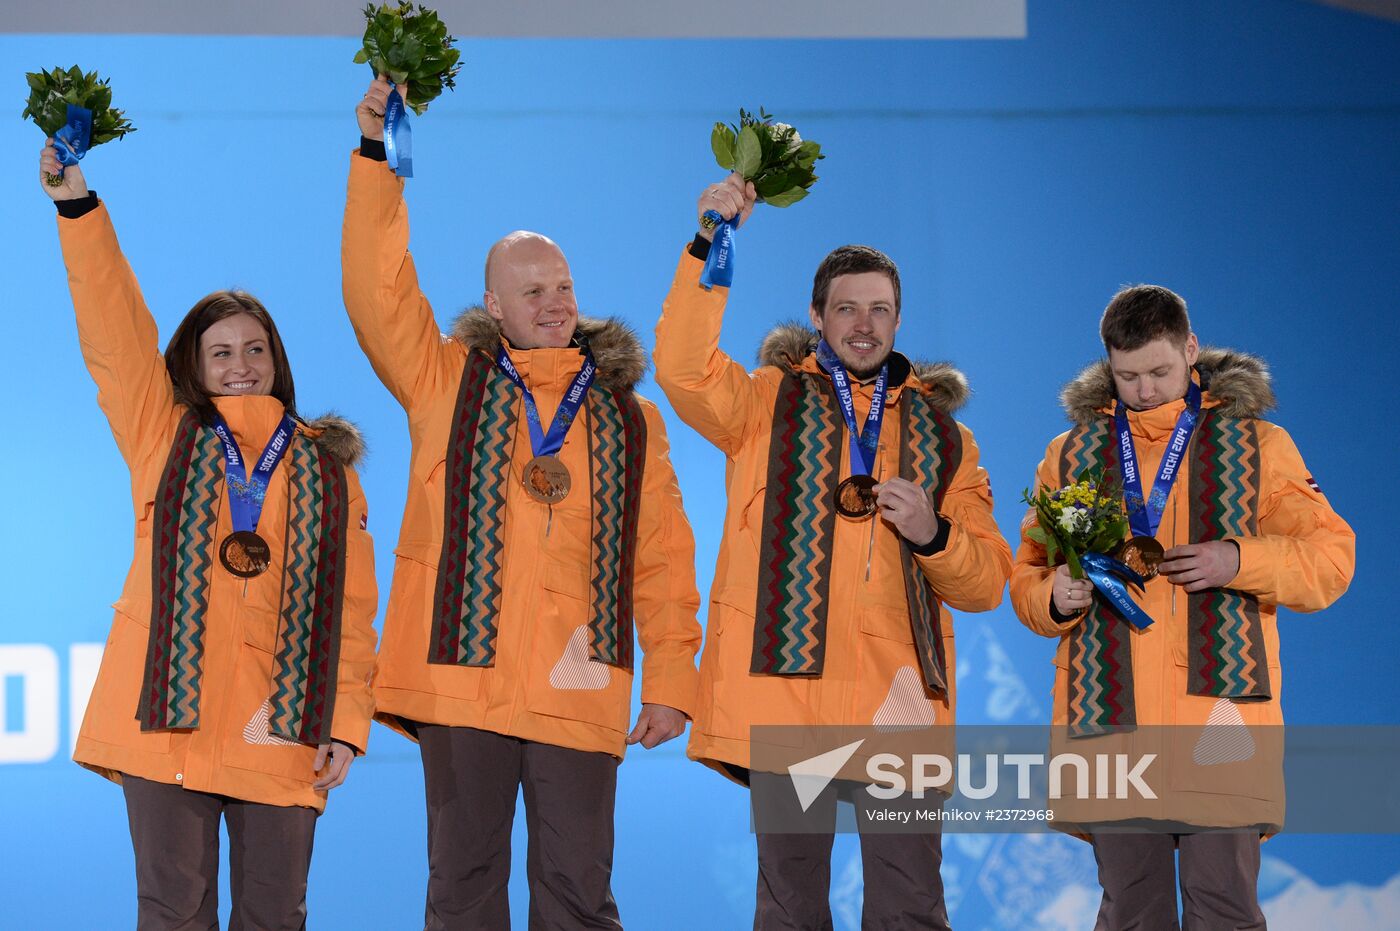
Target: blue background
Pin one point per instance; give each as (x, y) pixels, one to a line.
(1244, 153)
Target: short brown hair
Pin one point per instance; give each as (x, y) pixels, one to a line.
(852, 260)
(182, 352)
(1142, 313)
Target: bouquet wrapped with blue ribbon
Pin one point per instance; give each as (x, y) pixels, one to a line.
(1084, 523)
(779, 162)
(75, 108)
(410, 46)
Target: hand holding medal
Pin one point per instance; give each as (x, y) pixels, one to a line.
(1083, 522)
(75, 109)
(778, 164)
(413, 50)
(1197, 567)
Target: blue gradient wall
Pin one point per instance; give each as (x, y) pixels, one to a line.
(1246, 154)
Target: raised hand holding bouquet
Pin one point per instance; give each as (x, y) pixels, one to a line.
(775, 159)
(1083, 523)
(76, 110)
(411, 48)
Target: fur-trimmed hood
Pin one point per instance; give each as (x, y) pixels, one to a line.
(621, 360)
(337, 436)
(787, 344)
(1237, 381)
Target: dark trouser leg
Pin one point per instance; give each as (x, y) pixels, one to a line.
(1138, 876)
(794, 882)
(269, 857)
(471, 778)
(903, 885)
(569, 801)
(1220, 882)
(903, 882)
(794, 869)
(175, 835)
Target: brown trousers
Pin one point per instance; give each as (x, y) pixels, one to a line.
(903, 885)
(1219, 877)
(472, 777)
(175, 833)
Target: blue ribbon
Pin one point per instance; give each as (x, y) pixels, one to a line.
(547, 444)
(865, 444)
(1145, 516)
(246, 492)
(1112, 578)
(719, 264)
(398, 136)
(75, 136)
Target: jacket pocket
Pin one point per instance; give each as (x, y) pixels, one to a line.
(247, 740)
(143, 520)
(1221, 747)
(890, 688)
(733, 700)
(424, 553)
(562, 678)
(111, 710)
(888, 622)
(402, 662)
(1059, 685)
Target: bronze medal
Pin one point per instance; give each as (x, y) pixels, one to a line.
(245, 554)
(1143, 555)
(855, 497)
(547, 479)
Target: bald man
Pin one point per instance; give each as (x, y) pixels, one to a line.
(543, 518)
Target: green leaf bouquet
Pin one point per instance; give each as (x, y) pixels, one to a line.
(50, 93)
(772, 155)
(410, 47)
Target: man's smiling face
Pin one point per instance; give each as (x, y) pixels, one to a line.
(859, 321)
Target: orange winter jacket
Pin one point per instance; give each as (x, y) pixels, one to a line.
(1302, 558)
(543, 686)
(871, 667)
(232, 752)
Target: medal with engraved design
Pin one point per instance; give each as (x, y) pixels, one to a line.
(547, 479)
(245, 554)
(855, 497)
(1143, 555)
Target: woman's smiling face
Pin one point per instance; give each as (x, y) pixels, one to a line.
(234, 357)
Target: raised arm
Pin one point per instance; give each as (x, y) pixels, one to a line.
(710, 391)
(392, 319)
(116, 333)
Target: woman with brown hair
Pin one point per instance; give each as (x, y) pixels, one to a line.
(234, 682)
